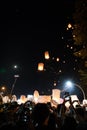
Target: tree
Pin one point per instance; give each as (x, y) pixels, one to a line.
(80, 39)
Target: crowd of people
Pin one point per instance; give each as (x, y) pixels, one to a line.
(42, 116)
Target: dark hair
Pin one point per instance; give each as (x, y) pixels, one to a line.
(80, 111)
(40, 113)
(69, 123)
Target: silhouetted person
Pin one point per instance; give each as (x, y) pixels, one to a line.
(80, 116)
(40, 116)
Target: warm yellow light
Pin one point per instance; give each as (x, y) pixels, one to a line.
(55, 84)
(3, 88)
(36, 96)
(23, 98)
(55, 94)
(40, 66)
(71, 47)
(57, 59)
(69, 25)
(46, 54)
(74, 36)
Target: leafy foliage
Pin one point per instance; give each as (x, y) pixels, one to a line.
(80, 38)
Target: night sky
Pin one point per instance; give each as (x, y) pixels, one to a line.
(27, 31)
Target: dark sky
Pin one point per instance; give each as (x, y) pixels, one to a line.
(27, 30)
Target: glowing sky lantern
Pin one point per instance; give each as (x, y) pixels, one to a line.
(36, 96)
(57, 59)
(15, 66)
(23, 98)
(56, 94)
(46, 55)
(69, 25)
(40, 66)
(44, 99)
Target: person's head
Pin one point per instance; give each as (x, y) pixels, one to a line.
(80, 113)
(40, 113)
(69, 123)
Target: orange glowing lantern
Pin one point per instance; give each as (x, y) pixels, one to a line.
(46, 54)
(40, 66)
(69, 25)
(36, 96)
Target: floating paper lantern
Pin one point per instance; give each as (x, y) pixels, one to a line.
(40, 66)
(46, 54)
